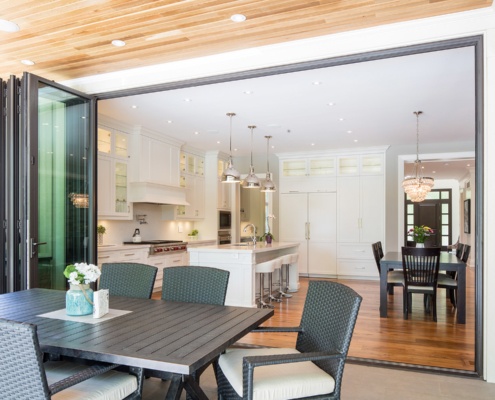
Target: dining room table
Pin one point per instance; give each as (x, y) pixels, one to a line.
(448, 262)
(176, 338)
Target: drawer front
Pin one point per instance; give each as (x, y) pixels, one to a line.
(365, 269)
(358, 251)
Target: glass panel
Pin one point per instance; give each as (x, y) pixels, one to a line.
(371, 164)
(433, 196)
(445, 241)
(183, 162)
(410, 208)
(445, 219)
(322, 167)
(410, 219)
(445, 195)
(120, 187)
(63, 183)
(445, 208)
(104, 141)
(294, 168)
(200, 166)
(121, 144)
(190, 164)
(348, 166)
(445, 229)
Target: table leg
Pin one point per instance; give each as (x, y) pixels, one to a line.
(383, 291)
(461, 295)
(189, 383)
(175, 388)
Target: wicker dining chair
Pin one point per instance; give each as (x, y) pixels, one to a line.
(193, 284)
(24, 375)
(128, 279)
(420, 267)
(313, 369)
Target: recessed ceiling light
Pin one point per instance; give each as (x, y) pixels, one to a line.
(433, 172)
(187, 100)
(134, 106)
(235, 149)
(331, 104)
(8, 26)
(247, 92)
(349, 131)
(196, 133)
(316, 83)
(273, 146)
(355, 140)
(238, 18)
(169, 121)
(118, 43)
(468, 165)
(446, 163)
(27, 62)
(341, 119)
(218, 141)
(312, 144)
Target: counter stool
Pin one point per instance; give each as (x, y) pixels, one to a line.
(293, 260)
(286, 261)
(267, 267)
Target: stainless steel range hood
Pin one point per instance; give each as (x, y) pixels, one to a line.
(147, 192)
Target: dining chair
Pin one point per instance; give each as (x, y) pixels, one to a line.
(466, 252)
(313, 369)
(449, 280)
(194, 284)
(24, 375)
(420, 267)
(459, 250)
(128, 279)
(394, 278)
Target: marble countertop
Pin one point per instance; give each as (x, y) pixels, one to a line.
(244, 247)
(115, 247)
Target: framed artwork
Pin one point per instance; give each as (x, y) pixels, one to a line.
(467, 216)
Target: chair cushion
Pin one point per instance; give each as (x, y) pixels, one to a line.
(282, 381)
(395, 277)
(111, 385)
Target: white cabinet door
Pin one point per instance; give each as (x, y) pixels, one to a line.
(199, 197)
(348, 190)
(113, 189)
(322, 234)
(104, 186)
(293, 210)
(372, 209)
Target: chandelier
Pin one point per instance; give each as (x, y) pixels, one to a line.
(231, 175)
(417, 186)
(268, 185)
(79, 200)
(251, 181)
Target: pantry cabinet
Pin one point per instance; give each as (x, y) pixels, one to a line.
(224, 194)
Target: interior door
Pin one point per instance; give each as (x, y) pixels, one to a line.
(59, 129)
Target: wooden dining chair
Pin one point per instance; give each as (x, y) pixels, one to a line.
(420, 267)
(459, 250)
(394, 278)
(24, 375)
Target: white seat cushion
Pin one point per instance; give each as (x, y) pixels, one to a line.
(395, 277)
(112, 385)
(277, 382)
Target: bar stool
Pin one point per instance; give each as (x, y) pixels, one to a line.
(285, 265)
(267, 267)
(293, 260)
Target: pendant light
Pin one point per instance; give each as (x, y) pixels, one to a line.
(231, 175)
(417, 186)
(251, 181)
(268, 185)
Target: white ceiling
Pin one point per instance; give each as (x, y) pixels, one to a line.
(375, 99)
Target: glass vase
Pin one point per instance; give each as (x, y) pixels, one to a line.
(420, 245)
(79, 300)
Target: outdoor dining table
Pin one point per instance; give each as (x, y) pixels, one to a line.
(173, 337)
(448, 262)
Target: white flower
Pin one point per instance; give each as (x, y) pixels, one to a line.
(82, 273)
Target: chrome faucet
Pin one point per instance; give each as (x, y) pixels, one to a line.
(254, 232)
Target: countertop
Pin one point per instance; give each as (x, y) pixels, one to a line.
(238, 248)
(115, 247)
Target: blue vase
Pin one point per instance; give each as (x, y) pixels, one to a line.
(76, 300)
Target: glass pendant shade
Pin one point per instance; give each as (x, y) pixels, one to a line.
(417, 187)
(268, 185)
(230, 174)
(251, 181)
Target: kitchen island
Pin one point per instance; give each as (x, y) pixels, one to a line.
(240, 260)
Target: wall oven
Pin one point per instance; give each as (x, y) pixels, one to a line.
(224, 237)
(224, 220)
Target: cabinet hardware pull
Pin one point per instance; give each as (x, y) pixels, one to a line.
(130, 254)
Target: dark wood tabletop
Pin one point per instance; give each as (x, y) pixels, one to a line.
(166, 336)
(448, 262)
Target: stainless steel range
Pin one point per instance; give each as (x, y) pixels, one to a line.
(158, 247)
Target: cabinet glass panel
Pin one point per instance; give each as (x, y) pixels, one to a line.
(221, 167)
(120, 187)
(183, 162)
(120, 144)
(294, 168)
(190, 164)
(104, 141)
(348, 166)
(200, 166)
(371, 164)
(182, 181)
(322, 167)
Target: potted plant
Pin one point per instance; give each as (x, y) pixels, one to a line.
(193, 235)
(267, 237)
(100, 230)
(419, 234)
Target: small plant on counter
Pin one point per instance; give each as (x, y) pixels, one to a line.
(267, 237)
(101, 230)
(194, 232)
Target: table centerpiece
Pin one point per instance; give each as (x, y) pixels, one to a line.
(79, 298)
(419, 234)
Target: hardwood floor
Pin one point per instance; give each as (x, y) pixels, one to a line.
(418, 340)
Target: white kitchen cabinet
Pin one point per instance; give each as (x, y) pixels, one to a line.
(192, 164)
(195, 196)
(112, 142)
(223, 188)
(304, 175)
(113, 188)
(362, 164)
(132, 254)
(310, 220)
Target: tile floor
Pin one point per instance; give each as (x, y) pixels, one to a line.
(370, 383)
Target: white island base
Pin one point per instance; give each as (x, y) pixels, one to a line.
(240, 261)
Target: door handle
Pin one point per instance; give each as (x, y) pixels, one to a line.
(34, 245)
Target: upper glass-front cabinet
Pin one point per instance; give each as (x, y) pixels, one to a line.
(309, 167)
(112, 142)
(368, 164)
(192, 164)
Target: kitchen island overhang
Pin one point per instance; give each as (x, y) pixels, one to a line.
(240, 260)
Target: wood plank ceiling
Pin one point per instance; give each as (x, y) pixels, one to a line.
(68, 39)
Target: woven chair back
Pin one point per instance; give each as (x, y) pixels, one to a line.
(128, 279)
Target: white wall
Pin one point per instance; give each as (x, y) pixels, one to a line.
(478, 22)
